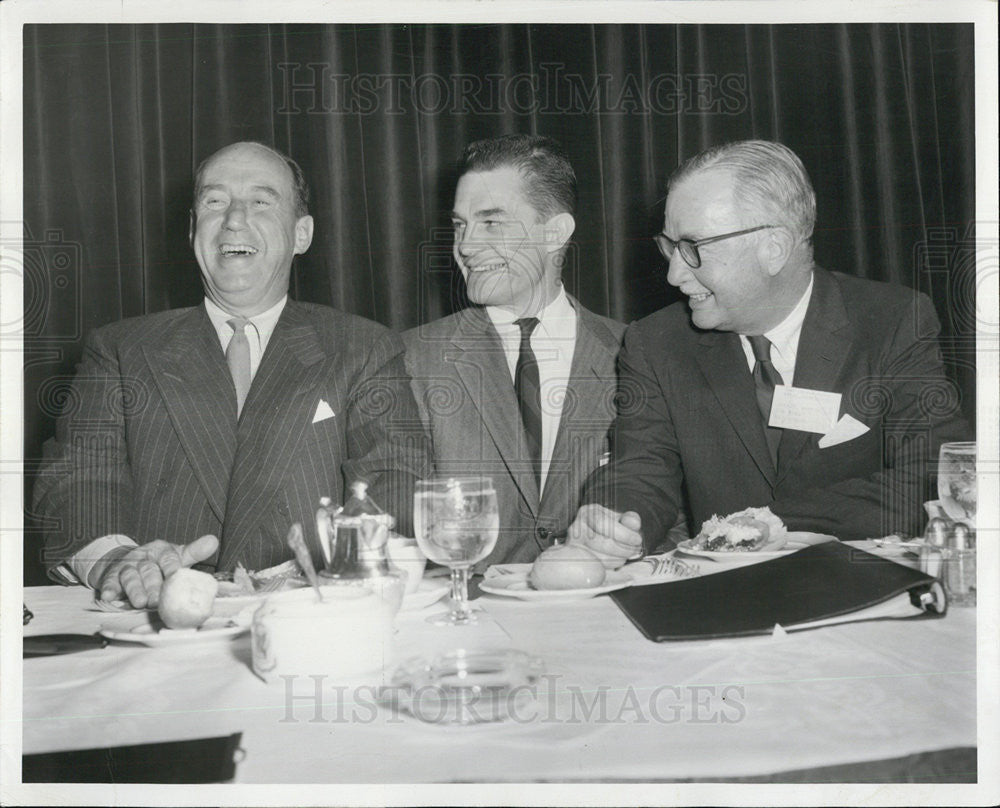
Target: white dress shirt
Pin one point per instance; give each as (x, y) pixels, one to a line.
(553, 342)
(784, 339)
(258, 332)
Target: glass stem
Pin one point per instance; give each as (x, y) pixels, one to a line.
(460, 611)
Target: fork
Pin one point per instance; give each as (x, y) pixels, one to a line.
(668, 565)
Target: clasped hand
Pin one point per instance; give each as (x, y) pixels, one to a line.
(139, 574)
(613, 537)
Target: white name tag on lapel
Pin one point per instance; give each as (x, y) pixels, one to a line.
(804, 410)
(323, 411)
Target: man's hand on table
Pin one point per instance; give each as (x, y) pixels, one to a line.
(614, 537)
(137, 574)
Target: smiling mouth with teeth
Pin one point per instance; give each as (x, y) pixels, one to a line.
(237, 250)
(699, 297)
(487, 267)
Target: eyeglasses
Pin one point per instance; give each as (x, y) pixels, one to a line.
(689, 249)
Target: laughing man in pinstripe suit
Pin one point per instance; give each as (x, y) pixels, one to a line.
(230, 419)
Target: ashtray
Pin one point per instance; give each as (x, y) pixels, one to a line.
(467, 686)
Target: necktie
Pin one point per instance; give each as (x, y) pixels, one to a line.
(765, 377)
(529, 397)
(238, 357)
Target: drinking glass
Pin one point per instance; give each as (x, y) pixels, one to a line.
(957, 481)
(457, 523)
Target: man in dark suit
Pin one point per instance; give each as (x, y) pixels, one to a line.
(520, 386)
(230, 419)
(818, 394)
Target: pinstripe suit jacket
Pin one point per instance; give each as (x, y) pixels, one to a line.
(149, 444)
(463, 388)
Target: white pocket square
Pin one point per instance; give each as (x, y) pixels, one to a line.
(847, 428)
(323, 411)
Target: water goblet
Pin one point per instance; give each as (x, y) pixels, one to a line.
(457, 523)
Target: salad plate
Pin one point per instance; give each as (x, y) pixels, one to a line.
(149, 630)
(794, 541)
(515, 585)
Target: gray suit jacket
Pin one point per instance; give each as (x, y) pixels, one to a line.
(466, 398)
(149, 444)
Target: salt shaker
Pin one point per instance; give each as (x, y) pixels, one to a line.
(932, 551)
(960, 566)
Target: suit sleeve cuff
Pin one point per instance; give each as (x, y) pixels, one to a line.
(82, 563)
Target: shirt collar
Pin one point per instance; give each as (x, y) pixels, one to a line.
(264, 322)
(784, 337)
(551, 319)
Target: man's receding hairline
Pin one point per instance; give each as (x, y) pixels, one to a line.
(249, 144)
(714, 168)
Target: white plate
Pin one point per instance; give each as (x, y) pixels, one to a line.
(148, 630)
(515, 585)
(430, 591)
(794, 541)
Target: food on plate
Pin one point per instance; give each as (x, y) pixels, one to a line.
(186, 598)
(242, 582)
(566, 566)
(749, 530)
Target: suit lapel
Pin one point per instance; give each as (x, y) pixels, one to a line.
(278, 409)
(198, 394)
(482, 367)
(824, 344)
(591, 354)
(724, 366)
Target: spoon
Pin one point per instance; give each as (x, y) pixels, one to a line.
(297, 542)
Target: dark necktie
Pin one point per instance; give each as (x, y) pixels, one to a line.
(765, 377)
(529, 397)
(238, 358)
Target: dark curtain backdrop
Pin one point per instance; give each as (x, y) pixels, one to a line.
(116, 117)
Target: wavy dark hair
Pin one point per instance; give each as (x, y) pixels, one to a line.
(549, 179)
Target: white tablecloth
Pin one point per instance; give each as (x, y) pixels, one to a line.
(613, 705)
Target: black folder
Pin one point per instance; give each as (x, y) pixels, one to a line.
(818, 583)
(203, 760)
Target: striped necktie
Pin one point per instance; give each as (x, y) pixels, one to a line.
(238, 358)
(765, 378)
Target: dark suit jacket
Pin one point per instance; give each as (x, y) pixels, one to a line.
(149, 444)
(463, 388)
(689, 417)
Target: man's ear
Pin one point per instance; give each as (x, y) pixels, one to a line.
(192, 223)
(558, 229)
(303, 235)
(775, 249)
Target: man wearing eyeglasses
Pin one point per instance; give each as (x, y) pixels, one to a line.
(519, 386)
(777, 382)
